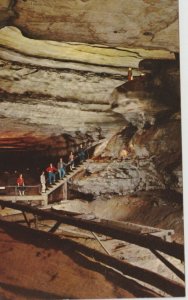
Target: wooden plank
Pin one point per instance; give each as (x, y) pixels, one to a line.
(26, 219)
(65, 179)
(149, 242)
(135, 227)
(165, 234)
(89, 216)
(169, 286)
(65, 188)
(65, 212)
(75, 234)
(55, 187)
(169, 265)
(55, 227)
(22, 198)
(97, 238)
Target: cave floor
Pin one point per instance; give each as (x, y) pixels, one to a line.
(34, 268)
(41, 270)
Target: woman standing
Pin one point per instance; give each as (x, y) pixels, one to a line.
(43, 182)
(21, 185)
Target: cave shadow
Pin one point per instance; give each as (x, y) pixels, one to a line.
(73, 249)
(169, 265)
(119, 280)
(31, 236)
(30, 293)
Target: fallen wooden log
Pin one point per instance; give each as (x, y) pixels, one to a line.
(149, 242)
(170, 287)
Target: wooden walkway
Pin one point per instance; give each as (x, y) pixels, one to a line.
(67, 178)
(44, 197)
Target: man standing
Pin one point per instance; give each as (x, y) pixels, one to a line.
(51, 173)
(61, 168)
(81, 154)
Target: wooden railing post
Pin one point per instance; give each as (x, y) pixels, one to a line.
(65, 191)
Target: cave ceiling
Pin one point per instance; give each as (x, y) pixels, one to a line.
(61, 61)
(133, 23)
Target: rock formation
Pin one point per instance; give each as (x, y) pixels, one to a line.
(63, 82)
(135, 23)
(55, 95)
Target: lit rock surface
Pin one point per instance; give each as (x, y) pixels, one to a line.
(58, 89)
(11, 37)
(63, 87)
(120, 178)
(136, 23)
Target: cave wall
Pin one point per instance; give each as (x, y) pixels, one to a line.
(63, 80)
(152, 137)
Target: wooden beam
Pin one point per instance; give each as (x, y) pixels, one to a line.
(25, 217)
(149, 242)
(55, 227)
(97, 238)
(169, 286)
(169, 265)
(22, 198)
(65, 191)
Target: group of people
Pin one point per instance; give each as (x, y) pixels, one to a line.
(53, 171)
(61, 168)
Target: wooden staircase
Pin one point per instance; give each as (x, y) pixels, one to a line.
(44, 197)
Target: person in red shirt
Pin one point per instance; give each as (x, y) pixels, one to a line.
(51, 170)
(21, 185)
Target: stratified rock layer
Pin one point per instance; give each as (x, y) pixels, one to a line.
(62, 87)
(136, 23)
(55, 95)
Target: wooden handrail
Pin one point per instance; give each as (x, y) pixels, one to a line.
(26, 186)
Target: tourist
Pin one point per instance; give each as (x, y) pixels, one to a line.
(43, 182)
(81, 154)
(123, 154)
(51, 173)
(21, 185)
(129, 75)
(61, 168)
(71, 161)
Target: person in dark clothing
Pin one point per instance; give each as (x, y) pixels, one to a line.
(71, 161)
(81, 154)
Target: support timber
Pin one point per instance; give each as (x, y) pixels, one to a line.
(150, 242)
(170, 287)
